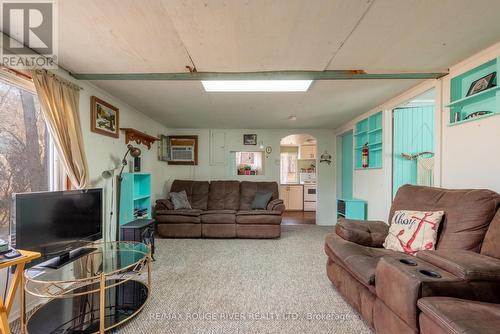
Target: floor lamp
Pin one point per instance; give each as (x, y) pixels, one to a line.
(134, 152)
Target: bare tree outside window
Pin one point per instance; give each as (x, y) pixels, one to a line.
(24, 146)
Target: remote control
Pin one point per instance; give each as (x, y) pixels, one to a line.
(12, 254)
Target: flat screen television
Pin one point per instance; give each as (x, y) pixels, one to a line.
(56, 223)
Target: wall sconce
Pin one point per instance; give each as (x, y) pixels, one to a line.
(261, 145)
(325, 157)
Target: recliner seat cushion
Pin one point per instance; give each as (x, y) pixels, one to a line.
(459, 316)
(182, 212)
(218, 217)
(360, 260)
(467, 213)
(259, 219)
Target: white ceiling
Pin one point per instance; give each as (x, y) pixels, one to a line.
(129, 36)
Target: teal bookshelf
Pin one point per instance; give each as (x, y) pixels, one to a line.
(462, 105)
(369, 130)
(135, 194)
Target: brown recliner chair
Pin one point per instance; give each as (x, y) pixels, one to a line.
(385, 286)
(220, 209)
(445, 315)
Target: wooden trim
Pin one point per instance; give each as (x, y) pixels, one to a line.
(264, 75)
(93, 117)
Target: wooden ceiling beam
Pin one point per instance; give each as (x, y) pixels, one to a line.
(266, 75)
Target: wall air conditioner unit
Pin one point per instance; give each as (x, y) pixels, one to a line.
(181, 153)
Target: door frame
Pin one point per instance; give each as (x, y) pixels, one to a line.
(339, 159)
(437, 86)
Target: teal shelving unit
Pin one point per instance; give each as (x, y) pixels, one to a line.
(135, 194)
(462, 105)
(351, 208)
(369, 130)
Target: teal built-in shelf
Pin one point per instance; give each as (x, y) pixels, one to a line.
(369, 131)
(488, 100)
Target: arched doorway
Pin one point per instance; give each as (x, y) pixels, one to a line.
(298, 178)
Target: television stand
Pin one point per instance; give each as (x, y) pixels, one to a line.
(96, 292)
(65, 258)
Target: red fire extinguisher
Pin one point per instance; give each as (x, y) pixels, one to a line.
(364, 156)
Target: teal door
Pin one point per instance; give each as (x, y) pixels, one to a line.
(347, 165)
(413, 134)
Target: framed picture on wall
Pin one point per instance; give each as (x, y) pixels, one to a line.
(481, 84)
(104, 118)
(250, 139)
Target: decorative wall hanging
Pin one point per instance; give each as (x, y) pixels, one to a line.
(138, 136)
(325, 157)
(104, 118)
(250, 139)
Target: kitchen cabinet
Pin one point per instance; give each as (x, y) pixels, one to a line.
(217, 148)
(292, 196)
(307, 152)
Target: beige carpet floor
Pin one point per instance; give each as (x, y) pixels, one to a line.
(245, 286)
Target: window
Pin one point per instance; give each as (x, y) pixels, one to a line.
(248, 163)
(25, 150)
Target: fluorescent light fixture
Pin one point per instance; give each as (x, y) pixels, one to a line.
(256, 85)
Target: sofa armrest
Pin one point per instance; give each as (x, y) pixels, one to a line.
(276, 205)
(164, 204)
(369, 233)
(464, 264)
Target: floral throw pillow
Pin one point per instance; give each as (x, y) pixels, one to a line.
(412, 231)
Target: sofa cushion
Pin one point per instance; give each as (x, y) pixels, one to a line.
(218, 217)
(468, 213)
(224, 195)
(261, 200)
(197, 192)
(459, 316)
(248, 190)
(179, 200)
(258, 213)
(215, 212)
(178, 219)
(412, 231)
(266, 218)
(184, 212)
(464, 264)
(360, 260)
(491, 246)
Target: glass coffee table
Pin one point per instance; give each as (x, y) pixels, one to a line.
(102, 284)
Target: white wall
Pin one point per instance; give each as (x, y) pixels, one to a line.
(270, 137)
(471, 151)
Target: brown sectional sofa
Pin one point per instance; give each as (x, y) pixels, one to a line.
(445, 315)
(220, 209)
(386, 286)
